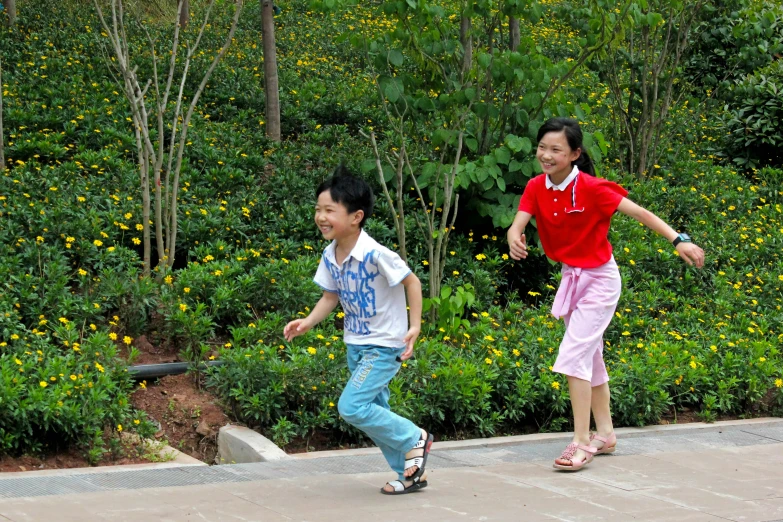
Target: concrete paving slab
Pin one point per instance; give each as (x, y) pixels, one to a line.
(703, 475)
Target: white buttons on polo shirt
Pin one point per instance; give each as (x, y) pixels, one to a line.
(555, 213)
(555, 200)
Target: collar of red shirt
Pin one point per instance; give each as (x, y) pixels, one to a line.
(562, 186)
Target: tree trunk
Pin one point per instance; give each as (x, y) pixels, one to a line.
(2, 143)
(10, 8)
(513, 30)
(271, 88)
(184, 14)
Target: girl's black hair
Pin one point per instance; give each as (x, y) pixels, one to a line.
(350, 191)
(574, 136)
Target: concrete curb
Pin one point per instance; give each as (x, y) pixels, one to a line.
(180, 460)
(240, 445)
(541, 437)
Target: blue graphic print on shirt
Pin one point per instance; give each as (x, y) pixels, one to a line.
(354, 286)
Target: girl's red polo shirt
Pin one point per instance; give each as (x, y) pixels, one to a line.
(574, 232)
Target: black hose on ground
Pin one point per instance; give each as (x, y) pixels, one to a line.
(142, 372)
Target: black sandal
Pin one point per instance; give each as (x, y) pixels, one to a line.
(401, 489)
(421, 460)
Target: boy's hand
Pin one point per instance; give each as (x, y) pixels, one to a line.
(294, 328)
(410, 340)
(691, 254)
(518, 247)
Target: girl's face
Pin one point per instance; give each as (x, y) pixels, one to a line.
(555, 155)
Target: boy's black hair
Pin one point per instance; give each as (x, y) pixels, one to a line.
(350, 191)
(574, 137)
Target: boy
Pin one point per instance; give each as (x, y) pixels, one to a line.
(365, 277)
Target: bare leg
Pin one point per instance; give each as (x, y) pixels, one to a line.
(601, 413)
(581, 394)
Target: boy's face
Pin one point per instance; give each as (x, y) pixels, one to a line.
(333, 219)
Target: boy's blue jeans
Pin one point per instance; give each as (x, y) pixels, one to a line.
(364, 403)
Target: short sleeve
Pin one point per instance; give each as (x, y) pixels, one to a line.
(392, 267)
(528, 201)
(607, 195)
(323, 277)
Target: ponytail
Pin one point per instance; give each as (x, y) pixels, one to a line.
(585, 164)
(574, 137)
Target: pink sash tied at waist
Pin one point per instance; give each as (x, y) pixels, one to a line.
(566, 291)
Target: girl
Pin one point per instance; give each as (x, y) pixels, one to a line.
(573, 210)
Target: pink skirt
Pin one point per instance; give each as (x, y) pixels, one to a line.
(586, 300)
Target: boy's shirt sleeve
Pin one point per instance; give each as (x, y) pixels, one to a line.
(323, 277)
(392, 267)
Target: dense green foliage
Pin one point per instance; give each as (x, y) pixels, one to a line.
(73, 299)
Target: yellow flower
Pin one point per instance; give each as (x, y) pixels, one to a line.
(425, 262)
(43, 384)
(340, 315)
(119, 427)
(693, 364)
(128, 215)
(481, 257)
(139, 226)
(331, 356)
(183, 306)
(555, 385)
(127, 340)
(311, 350)
(488, 360)
(331, 405)
(714, 348)
(168, 279)
(136, 241)
(113, 336)
(455, 272)
(136, 422)
(73, 377)
(505, 257)
(82, 272)
(779, 383)
(186, 290)
(97, 242)
(98, 367)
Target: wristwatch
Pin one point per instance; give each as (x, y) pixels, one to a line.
(682, 237)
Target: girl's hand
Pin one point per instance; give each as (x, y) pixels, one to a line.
(518, 247)
(295, 328)
(410, 340)
(691, 254)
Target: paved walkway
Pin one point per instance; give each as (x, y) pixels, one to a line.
(725, 471)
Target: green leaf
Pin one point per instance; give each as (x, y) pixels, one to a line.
(501, 183)
(527, 145)
(368, 166)
(503, 155)
(472, 144)
(391, 93)
(515, 166)
(395, 57)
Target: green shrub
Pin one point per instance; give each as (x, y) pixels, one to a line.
(753, 112)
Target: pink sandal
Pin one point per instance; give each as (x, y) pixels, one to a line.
(609, 444)
(568, 454)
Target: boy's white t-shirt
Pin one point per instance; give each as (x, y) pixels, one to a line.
(368, 284)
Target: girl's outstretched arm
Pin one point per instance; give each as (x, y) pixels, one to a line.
(517, 243)
(689, 252)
